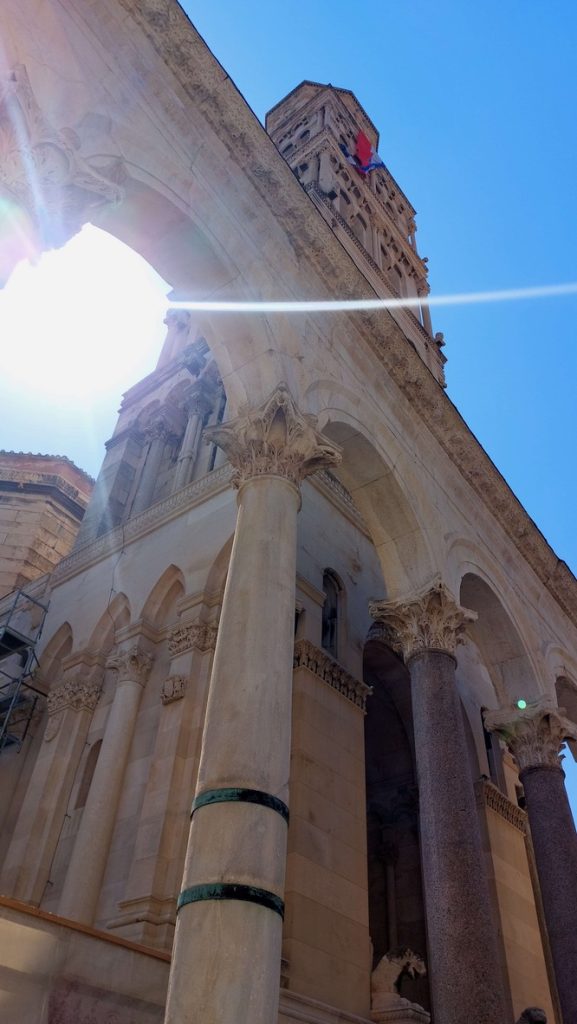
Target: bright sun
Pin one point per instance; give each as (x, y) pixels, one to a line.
(86, 319)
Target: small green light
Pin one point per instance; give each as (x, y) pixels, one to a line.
(521, 704)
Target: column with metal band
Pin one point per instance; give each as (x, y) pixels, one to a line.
(229, 923)
(70, 706)
(81, 888)
(198, 404)
(535, 736)
(464, 969)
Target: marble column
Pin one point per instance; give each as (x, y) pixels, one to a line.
(199, 403)
(81, 888)
(535, 736)
(156, 436)
(70, 706)
(227, 951)
(464, 969)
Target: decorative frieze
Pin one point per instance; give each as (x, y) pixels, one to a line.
(505, 808)
(430, 621)
(535, 734)
(37, 159)
(78, 692)
(306, 655)
(132, 665)
(274, 440)
(191, 635)
(173, 689)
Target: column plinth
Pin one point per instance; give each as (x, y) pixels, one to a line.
(464, 970)
(535, 737)
(81, 888)
(229, 923)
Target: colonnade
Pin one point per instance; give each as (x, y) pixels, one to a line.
(227, 949)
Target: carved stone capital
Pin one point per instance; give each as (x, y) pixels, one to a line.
(173, 689)
(200, 399)
(132, 665)
(430, 621)
(274, 440)
(42, 168)
(535, 734)
(80, 691)
(187, 636)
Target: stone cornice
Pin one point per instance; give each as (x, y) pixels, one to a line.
(505, 808)
(138, 526)
(306, 655)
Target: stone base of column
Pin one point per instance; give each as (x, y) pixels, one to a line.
(396, 1010)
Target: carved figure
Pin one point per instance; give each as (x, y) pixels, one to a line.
(392, 968)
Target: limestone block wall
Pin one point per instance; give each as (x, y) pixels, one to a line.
(42, 502)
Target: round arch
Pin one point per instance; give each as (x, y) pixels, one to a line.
(160, 604)
(113, 618)
(498, 640)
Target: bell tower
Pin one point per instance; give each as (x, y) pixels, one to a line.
(326, 137)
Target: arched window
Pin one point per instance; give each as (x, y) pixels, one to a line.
(330, 618)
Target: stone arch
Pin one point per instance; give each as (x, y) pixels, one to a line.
(388, 497)
(114, 617)
(58, 647)
(499, 641)
(160, 604)
(216, 578)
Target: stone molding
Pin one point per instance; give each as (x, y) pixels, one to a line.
(132, 665)
(535, 734)
(31, 149)
(145, 909)
(80, 692)
(192, 635)
(332, 488)
(430, 621)
(274, 440)
(505, 808)
(306, 655)
(138, 526)
(173, 688)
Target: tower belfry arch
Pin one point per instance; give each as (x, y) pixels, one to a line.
(199, 784)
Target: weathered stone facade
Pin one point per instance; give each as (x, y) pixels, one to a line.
(299, 586)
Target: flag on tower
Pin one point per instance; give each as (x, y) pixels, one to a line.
(365, 158)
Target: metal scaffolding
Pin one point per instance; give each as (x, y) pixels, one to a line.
(21, 626)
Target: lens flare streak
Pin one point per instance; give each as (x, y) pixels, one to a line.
(354, 305)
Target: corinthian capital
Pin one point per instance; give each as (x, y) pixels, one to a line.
(274, 440)
(430, 621)
(535, 734)
(132, 665)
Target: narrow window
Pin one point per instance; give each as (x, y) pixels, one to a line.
(330, 618)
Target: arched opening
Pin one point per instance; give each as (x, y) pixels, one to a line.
(499, 643)
(396, 906)
(331, 613)
(395, 528)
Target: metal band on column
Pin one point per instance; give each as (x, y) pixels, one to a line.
(243, 796)
(231, 891)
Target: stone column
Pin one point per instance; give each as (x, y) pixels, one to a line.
(198, 405)
(81, 888)
(464, 969)
(535, 737)
(31, 851)
(156, 436)
(227, 951)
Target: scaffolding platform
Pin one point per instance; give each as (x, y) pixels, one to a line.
(21, 625)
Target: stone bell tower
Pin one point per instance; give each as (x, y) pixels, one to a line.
(369, 213)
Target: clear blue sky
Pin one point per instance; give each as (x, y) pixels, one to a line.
(476, 105)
